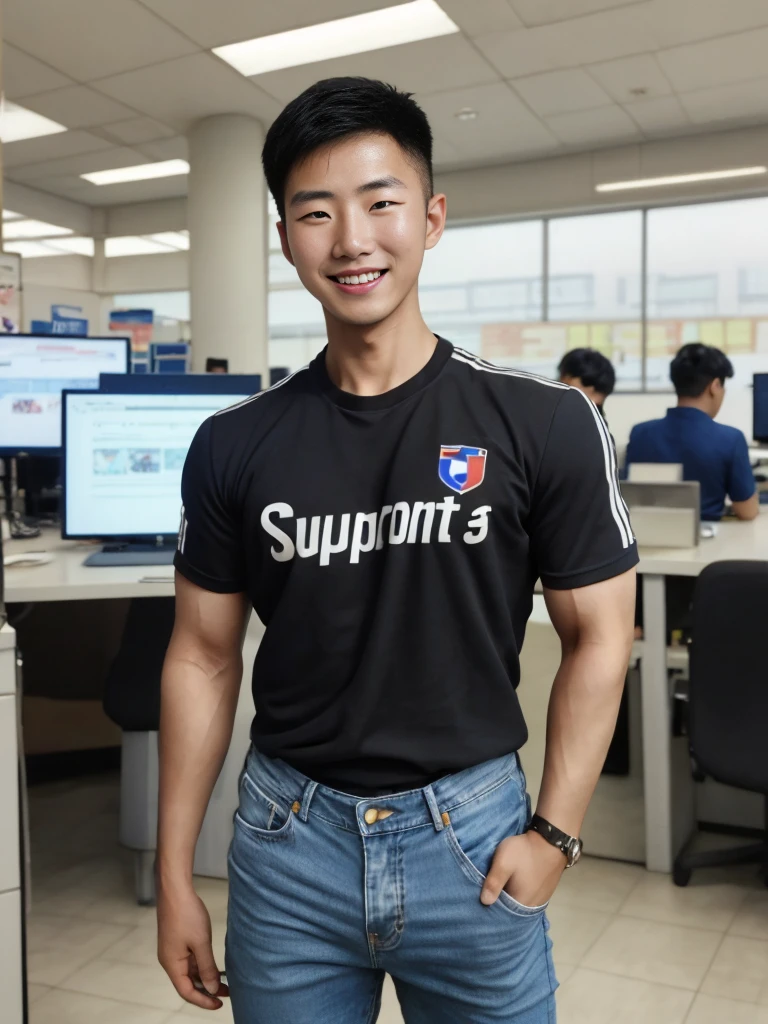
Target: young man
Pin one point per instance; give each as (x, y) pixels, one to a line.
(386, 510)
(715, 455)
(590, 372)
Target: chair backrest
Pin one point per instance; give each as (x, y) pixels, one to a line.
(655, 472)
(728, 722)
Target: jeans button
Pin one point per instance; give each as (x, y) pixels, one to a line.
(371, 816)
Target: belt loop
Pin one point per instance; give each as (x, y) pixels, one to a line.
(437, 820)
(309, 792)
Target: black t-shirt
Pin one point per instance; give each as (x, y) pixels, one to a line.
(390, 544)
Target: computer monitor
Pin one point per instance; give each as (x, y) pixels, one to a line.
(123, 456)
(34, 370)
(181, 383)
(760, 408)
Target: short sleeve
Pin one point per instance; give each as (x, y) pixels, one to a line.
(741, 476)
(209, 551)
(579, 525)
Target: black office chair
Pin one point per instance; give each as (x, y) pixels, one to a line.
(132, 701)
(728, 698)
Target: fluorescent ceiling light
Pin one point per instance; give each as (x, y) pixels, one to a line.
(133, 245)
(680, 179)
(33, 229)
(392, 26)
(31, 249)
(142, 172)
(17, 124)
(80, 246)
(176, 239)
(10, 215)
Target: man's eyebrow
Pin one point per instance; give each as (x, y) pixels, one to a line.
(310, 196)
(390, 181)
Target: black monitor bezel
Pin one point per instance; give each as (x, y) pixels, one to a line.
(755, 437)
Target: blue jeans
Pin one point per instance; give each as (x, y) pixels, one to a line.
(324, 900)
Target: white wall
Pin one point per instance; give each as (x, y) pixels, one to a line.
(61, 280)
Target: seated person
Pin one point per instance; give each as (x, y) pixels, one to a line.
(590, 372)
(712, 453)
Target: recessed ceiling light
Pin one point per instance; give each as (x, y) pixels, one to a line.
(142, 172)
(176, 239)
(392, 26)
(17, 124)
(133, 245)
(31, 249)
(466, 114)
(680, 179)
(33, 229)
(79, 246)
(10, 215)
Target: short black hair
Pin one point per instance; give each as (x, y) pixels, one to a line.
(592, 368)
(335, 109)
(695, 367)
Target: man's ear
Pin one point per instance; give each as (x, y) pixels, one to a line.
(436, 213)
(284, 242)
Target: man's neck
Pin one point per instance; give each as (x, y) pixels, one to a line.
(694, 403)
(375, 358)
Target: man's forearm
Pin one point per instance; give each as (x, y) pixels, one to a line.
(582, 716)
(198, 712)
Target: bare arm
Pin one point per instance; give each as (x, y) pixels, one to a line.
(200, 685)
(595, 626)
(748, 509)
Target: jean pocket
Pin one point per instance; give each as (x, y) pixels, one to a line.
(262, 816)
(478, 826)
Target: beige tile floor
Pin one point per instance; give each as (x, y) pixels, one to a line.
(628, 946)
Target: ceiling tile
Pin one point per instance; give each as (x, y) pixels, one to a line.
(167, 149)
(481, 16)
(504, 128)
(51, 147)
(620, 77)
(24, 75)
(89, 40)
(735, 58)
(431, 65)
(593, 127)
(138, 129)
(544, 12)
(659, 116)
(739, 102)
(83, 163)
(686, 21)
(77, 106)
(231, 21)
(559, 92)
(587, 40)
(182, 91)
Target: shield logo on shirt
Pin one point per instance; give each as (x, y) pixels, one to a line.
(461, 468)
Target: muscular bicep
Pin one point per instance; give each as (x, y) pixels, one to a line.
(601, 613)
(208, 627)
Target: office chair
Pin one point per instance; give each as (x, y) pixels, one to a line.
(728, 696)
(132, 701)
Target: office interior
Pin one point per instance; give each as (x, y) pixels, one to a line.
(606, 168)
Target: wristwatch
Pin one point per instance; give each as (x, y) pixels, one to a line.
(568, 845)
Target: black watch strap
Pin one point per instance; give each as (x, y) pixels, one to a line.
(570, 846)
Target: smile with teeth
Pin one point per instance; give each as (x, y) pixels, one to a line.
(359, 278)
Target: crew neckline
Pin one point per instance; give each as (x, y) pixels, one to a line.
(364, 403)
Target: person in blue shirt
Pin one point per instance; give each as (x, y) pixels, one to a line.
(712, 453)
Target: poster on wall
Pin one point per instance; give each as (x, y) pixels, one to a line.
(10, 293)
(137, 324)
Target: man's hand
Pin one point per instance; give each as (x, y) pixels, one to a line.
(185, 948)
(527, 867)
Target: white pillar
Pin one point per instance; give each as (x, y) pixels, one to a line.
(228, 258)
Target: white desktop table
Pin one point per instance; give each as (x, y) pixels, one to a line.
(669, 814)
(67, 579)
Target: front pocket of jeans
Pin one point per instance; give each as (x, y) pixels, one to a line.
(261, 816)
(505, 900)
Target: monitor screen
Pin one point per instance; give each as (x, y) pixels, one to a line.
(760, 408)
(123, 457)
(34, 370)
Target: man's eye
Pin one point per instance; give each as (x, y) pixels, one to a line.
(315, 215)
(382, 204)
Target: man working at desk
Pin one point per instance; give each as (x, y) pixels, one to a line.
(712, 453)
(589, 371)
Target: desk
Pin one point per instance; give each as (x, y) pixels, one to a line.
(67, 579)
(669, 816)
